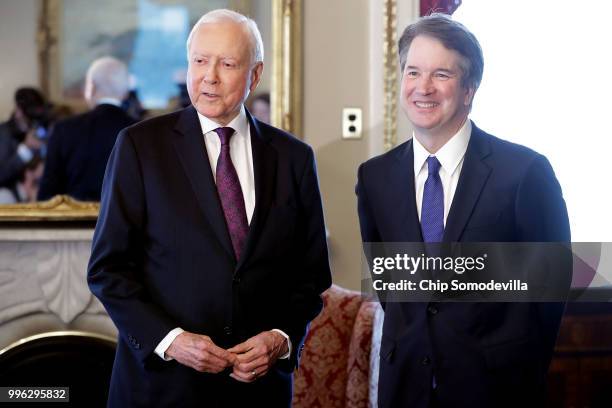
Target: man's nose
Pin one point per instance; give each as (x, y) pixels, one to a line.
(210, 74)
(424, 85)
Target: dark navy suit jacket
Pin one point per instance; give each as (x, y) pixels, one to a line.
(78, 150)
(162, 258)
(482, 354)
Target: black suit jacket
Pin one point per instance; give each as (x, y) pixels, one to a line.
(482, 354)
(162, 258)
(78, 151)
(11, 165)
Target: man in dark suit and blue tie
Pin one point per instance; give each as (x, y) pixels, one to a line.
(455, 183)
(210, 253)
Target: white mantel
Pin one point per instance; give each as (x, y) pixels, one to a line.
(43, 284)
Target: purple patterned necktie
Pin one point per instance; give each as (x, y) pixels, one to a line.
(230, 194)
(432, 210)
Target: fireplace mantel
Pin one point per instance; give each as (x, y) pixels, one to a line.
(43, 284)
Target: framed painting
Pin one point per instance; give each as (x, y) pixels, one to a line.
(72, 33)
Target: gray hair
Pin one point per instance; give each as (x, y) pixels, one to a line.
(215, 16)
(454, 36)
(110, 78)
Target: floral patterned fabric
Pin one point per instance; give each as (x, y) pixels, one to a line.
(358, 370)
(334, 365)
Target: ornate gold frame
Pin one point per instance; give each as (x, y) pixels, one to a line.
(286, 94)
(391, 62)
(59, 208)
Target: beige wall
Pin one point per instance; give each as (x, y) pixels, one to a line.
(18, 63)
(343, 67)
(336, 71)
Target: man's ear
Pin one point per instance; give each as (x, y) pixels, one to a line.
(256, 75)
(89, 91)
(470, 91)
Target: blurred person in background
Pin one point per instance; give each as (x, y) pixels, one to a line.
(26, 188)
(79, 147)
(260, 107)
(22, 141)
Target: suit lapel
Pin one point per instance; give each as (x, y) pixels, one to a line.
(474, 175)
(191, 149)
(401, 184)
(264, 168)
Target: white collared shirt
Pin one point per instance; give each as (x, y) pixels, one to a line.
(451, 157)
(242, 159)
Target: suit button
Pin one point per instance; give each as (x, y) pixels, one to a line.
(425, 361)
(227, 330)
(432, 309)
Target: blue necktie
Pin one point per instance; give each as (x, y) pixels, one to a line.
(432, 210)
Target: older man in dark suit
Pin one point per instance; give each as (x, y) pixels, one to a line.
(210, 252)
(79, 147)
(455, 183)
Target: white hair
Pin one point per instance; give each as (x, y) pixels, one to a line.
(110, 78)
(215, 16)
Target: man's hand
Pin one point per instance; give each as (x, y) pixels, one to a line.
(200, 353)
(257, 355)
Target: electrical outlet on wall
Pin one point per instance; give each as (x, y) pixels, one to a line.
(351, 123)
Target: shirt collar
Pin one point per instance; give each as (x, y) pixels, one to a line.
(240, 123)
(108, 101)
(449, 155)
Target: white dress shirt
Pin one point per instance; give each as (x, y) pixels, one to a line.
(451, 157)
(242, 159)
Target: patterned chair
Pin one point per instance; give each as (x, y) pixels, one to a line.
(335, 364)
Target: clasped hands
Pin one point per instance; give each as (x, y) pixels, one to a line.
(250, 359)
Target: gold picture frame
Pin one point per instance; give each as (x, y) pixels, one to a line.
(59, 208)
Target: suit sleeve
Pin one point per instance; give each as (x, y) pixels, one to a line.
(367, 223)
(313, 273)
(542, 219)
(115, 272)
(541, 213)
(53, 180)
